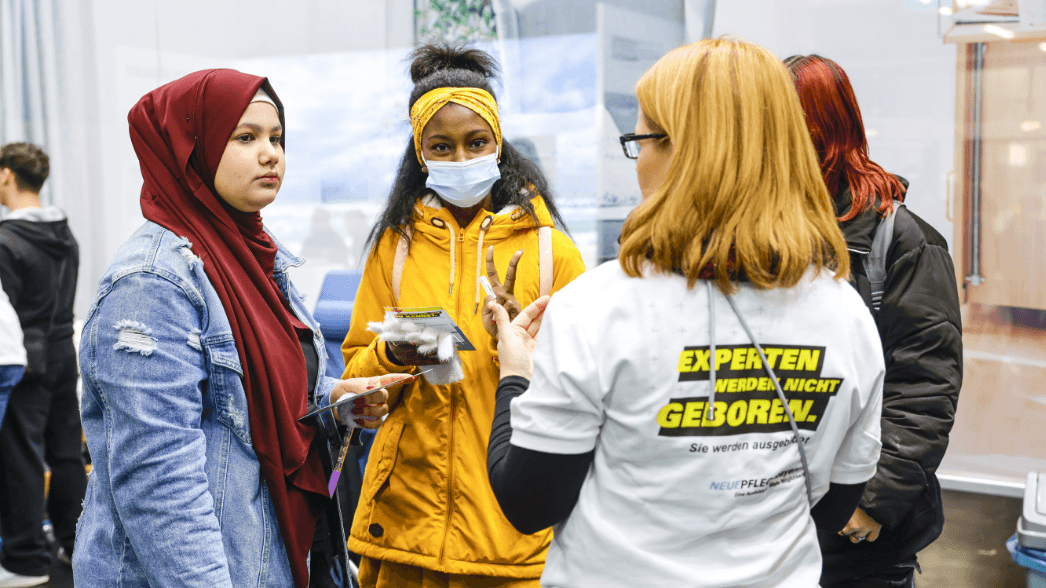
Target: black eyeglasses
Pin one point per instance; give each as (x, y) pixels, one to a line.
(630, 143)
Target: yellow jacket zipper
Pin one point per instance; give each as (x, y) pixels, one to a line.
(450, 441)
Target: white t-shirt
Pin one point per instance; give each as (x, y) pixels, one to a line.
(12, 349)
(621, 366)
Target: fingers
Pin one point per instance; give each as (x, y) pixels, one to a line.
(401, 351)
(512, 308)
(510, 273)
(861, 534)
(369, 412)
(530, 317)
(369, 416)
(428, 359)
(489, 325)
(861, 527)
(492, 270)
(366, 410)
(387, 379)
(407, 354)
(507, 288)
(500, 316)
(852, 533)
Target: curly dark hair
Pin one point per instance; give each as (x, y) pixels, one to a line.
(29, 163)
(443, 65)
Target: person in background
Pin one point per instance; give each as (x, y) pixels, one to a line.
(12, 352)
(464, 200)
(918, 321)
(199, 358)
(730, 270)
(323, 244)
(357, 224)
(39, 262)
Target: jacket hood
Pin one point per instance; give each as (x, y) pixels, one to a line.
(46, 228)
(860, 230)
(502, 223)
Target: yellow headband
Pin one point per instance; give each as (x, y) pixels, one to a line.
(475, 99)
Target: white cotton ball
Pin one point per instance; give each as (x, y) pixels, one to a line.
(446, 347)
(446, 373)
(409, 327)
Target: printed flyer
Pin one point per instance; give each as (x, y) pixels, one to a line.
(434, 317)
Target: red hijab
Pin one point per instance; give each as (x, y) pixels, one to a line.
(179, 132)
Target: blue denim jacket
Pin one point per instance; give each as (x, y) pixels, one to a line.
(176, 497)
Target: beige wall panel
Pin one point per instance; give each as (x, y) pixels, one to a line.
(1013, 191)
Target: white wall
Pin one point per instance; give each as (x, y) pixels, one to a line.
(902, 74)
(138, 45)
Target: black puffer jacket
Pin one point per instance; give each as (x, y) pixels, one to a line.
(39, 262)
(921, 333)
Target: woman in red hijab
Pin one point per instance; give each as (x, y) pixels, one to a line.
(198, 359)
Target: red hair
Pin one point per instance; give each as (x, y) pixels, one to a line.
(835, 124)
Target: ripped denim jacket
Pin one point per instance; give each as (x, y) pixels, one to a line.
(176, 497)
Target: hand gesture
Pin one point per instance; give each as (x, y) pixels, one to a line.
(505, 293)
(861, 527)
(517, 338)
(366, 410)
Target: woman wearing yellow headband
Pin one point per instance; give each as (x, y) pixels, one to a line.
(427, 515)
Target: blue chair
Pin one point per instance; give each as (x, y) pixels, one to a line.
(334, 313)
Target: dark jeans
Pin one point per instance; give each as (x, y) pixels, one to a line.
(903, 576)
(42, 423)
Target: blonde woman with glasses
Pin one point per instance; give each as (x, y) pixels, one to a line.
(689, 411)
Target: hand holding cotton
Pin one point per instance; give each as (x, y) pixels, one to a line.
(429, 341)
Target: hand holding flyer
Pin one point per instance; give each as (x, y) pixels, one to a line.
(434, 333)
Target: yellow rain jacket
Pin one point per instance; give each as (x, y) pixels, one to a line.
(426, 500)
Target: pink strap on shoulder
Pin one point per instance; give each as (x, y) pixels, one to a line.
(545, 259)
(402, 248)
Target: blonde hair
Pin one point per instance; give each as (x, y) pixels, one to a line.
(743, 192)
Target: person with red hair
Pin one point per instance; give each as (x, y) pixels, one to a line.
(918, 319)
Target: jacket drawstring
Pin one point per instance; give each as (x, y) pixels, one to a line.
(438, 222)
(479, 257)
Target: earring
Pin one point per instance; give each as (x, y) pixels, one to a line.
(424, 169)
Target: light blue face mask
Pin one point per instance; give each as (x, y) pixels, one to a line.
(463, 183)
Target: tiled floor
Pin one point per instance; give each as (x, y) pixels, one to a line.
(970, 554)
